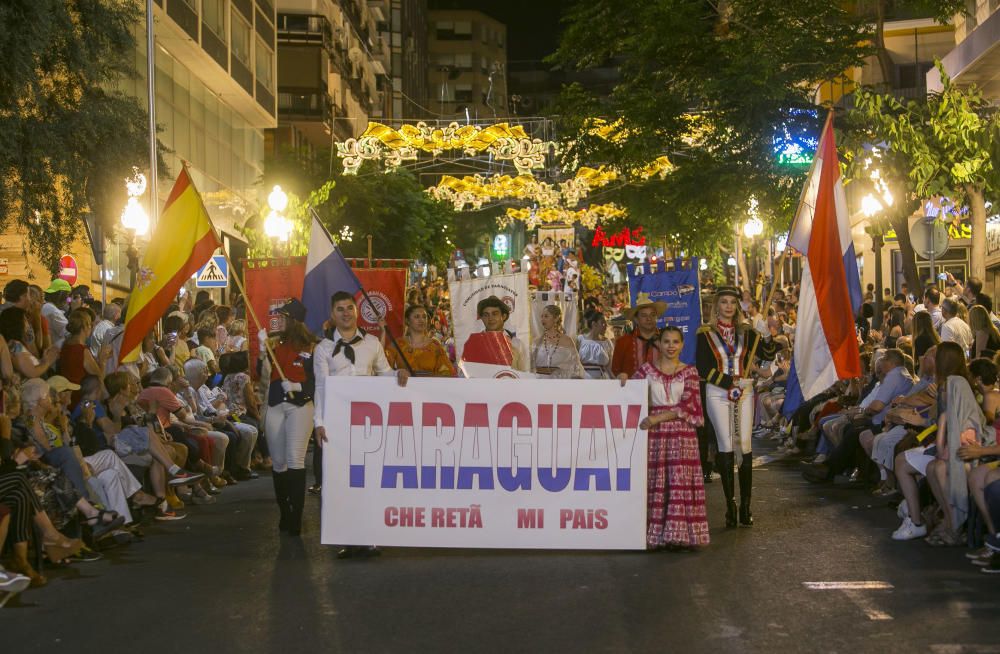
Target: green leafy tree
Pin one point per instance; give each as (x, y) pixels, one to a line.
(949, 144)
(68, 136)
(707, 83)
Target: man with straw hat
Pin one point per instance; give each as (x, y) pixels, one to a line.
(639, 347)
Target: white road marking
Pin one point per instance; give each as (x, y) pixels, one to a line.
(847, 585)
(853, 591)
(866, 604)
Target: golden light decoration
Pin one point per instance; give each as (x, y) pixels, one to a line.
(589, 217)
(383, 143)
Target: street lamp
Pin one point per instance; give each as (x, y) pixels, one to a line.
(134, 220)
(873, 204)
(276, 226)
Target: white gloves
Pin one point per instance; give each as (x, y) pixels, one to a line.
(291, 387)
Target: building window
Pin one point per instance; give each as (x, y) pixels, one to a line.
(463, 93)
(240, 43)
(265, 65)
(213, 14)
(459, 30)
(463, 61)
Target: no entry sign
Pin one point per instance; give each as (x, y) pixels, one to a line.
(67, 269)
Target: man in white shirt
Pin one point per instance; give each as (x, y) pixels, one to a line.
(110, 315)
(954, 329)
(347, 351)
(757, 320)
(55, 297)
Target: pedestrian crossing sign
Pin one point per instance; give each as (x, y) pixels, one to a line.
(214, 274)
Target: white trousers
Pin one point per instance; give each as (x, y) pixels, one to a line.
(287, 428)
(115, 481)
(720, 411)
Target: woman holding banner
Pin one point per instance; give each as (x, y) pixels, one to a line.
(724, 362)
(676, 495)
(289, 418)
(425, 353)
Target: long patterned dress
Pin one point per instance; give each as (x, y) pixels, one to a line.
(676, 491)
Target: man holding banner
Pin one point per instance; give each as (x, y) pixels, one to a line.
(347, 351)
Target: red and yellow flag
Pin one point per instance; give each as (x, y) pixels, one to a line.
(182, 242)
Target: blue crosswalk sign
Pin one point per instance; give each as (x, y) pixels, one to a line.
(214, 274)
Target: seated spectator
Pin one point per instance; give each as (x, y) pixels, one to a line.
(955, 329)
(986, 337)
(212, 407)
(237, 336)
(13, 328)
(205, 352)
(75, 358)
(960, 422)
(906, 413)
(110, 315)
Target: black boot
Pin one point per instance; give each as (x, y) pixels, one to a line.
(746, 482)
(280, 480)
(724, 463)
(296, 499)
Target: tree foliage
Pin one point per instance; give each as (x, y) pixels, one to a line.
(403, 220)
(68, 137)
(948, 143)
(707, 83)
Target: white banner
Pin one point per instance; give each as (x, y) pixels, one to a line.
(467, 293)
(485, 463)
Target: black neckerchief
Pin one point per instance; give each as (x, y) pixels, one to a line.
(346, 346)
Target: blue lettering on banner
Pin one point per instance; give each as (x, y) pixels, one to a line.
(553, 444)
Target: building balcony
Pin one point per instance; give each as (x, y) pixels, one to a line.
(976, 60)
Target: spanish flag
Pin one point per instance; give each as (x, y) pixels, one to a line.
(184, 239)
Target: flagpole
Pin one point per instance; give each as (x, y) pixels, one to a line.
(243, 292)
(364, 293)
(791, 229)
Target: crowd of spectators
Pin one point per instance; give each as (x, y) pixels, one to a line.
(918, 427)
(89, 447)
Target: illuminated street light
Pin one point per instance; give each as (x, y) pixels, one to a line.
(134, 217)
(277, 199)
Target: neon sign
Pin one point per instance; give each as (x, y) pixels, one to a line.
(624, 237)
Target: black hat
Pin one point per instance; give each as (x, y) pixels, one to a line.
(731, 291)
(493, 301)
(294, 309)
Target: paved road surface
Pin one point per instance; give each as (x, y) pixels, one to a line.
(223, 581)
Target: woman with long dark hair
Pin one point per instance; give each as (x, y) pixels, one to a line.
(924, 335)
(289, 418)
(724, 362)
(425, 354)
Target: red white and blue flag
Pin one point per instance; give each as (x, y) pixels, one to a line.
(826, 346)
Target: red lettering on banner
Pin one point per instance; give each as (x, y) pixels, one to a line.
(437, 517)
(406, 516)
(530, 518)
(583, 518)
(621, 239)
(391, 514)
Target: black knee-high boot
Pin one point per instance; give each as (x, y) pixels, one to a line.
(724, 463)
(296, 499)
(280, 480)
(746, 482)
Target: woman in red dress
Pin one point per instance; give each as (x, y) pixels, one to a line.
(675, 515)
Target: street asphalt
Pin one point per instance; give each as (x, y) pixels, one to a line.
(817, 573)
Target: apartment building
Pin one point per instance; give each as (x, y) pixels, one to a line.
(215, 98)
(468, 65)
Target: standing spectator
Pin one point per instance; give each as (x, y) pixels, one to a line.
(932, 305)
(52, 310)
(954, 329)
(109, 318)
